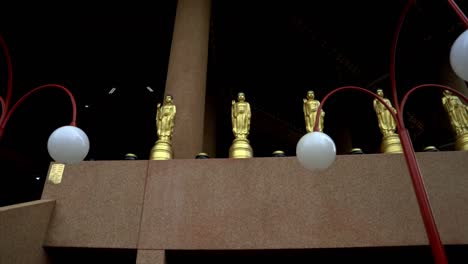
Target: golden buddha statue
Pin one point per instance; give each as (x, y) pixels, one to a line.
(240, 118)
(165, 119)
(387, 124)
(458, 115)
(310, 112)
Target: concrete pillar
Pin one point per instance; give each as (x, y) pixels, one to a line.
(186, 75)
(151, 257)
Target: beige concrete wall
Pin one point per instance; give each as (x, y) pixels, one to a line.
(258, 203)
(22, 231)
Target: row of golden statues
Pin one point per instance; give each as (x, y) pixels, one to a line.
(241, 116)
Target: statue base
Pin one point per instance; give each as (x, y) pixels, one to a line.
(391, 144)
(240, 149)
(462, 142)
(161, 151)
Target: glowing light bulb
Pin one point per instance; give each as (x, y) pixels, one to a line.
(68, 144)
(459, 56)
(316, 151)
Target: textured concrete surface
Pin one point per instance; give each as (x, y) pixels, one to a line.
(263, 203)
(22, 231)
(151, 257)
(99, 204)
(258, 203)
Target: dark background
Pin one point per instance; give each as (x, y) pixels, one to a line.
(274, 51)
(409, 254)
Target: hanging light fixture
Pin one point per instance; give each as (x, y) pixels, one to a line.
(67, 144)
(459, 50)
(459, 56)
(316, 151)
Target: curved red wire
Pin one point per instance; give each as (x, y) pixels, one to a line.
(396, 35)
(401, 21)
(428, 85)
(416, 178)
(24, 97)
(355, 88)
(432, 233)
(415, 173)
(5, 103)
(418, 184)
(10, 72)
(459, 12)
(2, 103)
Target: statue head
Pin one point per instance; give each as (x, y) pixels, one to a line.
(380, 92)
(310, 95)
(447, 92)
(168, 99)
(241, 97)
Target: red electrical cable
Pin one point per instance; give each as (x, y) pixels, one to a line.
(24, 97)
(2, 103)
(401, 21)
(355, 88)
(396, 35)
(5, 103)
(432, 232)
(459, 12)
(429, 85)
(418, 183)
(410, 157)
(10, 72)
(437, 248)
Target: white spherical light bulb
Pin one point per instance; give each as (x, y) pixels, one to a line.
(459, 56)
(68, 144)
(316, 151)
